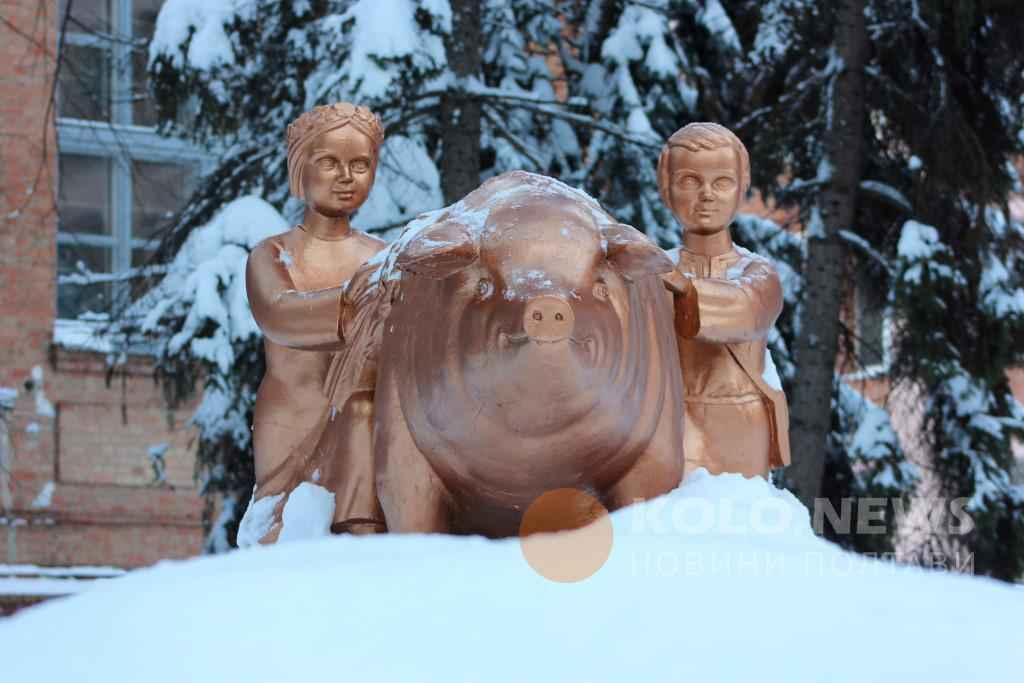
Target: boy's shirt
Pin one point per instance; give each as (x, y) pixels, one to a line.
(723, 347)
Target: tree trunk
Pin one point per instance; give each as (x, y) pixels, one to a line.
(460, 116)
(924, 535)
(817, 340)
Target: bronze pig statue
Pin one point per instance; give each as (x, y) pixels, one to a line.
(523, 342)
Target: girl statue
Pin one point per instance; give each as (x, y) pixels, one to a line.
(295, 283)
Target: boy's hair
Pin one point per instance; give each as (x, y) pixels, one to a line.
(702, 136)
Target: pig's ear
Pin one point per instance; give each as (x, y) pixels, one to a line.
(631, 254)
(439, 251)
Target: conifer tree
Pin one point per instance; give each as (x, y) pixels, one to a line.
(630, 68)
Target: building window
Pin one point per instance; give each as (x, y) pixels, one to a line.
(119, 182)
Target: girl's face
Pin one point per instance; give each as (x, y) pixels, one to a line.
(338, 172)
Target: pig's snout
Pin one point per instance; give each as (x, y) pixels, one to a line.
(548, 318)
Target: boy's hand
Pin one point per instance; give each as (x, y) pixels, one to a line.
(684, 299)
(678, 284)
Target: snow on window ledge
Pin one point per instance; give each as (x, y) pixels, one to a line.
(81, 335)
(88, 335)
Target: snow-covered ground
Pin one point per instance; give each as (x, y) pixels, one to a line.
(721, 580)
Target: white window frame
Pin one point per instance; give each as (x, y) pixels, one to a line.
(121, 142)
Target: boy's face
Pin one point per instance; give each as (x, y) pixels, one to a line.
(338, 172)
(704, 188)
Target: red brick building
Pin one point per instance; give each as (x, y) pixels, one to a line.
(90, 474)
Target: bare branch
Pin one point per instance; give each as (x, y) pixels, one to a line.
(579, 119)
(861, 244)
(503, 132)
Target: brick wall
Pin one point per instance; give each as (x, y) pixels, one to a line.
(27, 168)
(83, 487)
(70, 435)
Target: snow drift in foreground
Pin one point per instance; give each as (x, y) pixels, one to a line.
(720, 580)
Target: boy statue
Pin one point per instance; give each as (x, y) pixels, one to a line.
(726, 300)
(294, 283)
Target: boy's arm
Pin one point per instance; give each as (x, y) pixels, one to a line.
(727, 311)
(286, 316)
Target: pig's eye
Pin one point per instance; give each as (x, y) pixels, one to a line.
(601, 291)
(484, 288)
